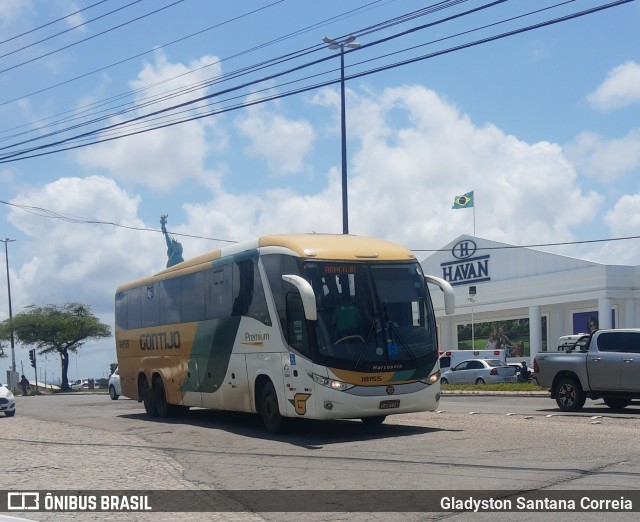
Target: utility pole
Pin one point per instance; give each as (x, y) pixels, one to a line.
(13, 381)
(335, 44)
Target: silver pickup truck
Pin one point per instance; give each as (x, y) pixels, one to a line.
(605, 365)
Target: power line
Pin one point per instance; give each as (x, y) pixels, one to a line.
(8, 157)
(50, 214)
(91, 37)
(52, 22)
(69, 29)
(163, 46)
(248, 84)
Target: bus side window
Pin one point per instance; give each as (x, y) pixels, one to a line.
(296, 324)
(150, 305)
(276, 265)
(218, 292)
(134, 312)
(248, 293)
(170, 310)
(121, 310)
(192, 297)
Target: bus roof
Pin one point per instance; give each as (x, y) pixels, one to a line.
(335, 247)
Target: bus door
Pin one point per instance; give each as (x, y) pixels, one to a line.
(297, 382)
(235, 391)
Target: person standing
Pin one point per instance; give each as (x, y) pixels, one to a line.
(24, 384)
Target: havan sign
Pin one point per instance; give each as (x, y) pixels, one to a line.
(467, 268)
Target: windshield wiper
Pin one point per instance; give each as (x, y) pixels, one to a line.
(394, 334)
(366, 344)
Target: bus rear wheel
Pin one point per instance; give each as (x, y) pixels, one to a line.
(148, 399)
(270, 410)
(162, 408)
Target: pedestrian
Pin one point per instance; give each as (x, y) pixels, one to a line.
(524, 374)
(24, 384)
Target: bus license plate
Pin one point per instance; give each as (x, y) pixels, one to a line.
(385, 405)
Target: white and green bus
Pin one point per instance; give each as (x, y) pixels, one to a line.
(307, 326)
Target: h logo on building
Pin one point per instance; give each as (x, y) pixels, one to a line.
(464, 249)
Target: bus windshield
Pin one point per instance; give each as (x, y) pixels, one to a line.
(372, 316)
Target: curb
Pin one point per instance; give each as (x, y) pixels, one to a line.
(496, 393)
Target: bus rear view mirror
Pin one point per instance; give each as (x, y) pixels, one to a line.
(306, 293)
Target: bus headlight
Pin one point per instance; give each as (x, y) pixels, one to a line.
(432, 379)
(331, 383)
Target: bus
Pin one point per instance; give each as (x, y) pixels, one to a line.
(311, 326)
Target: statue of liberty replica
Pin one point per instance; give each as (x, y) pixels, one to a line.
(174, 248)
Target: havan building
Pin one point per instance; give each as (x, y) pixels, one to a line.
(539, 295)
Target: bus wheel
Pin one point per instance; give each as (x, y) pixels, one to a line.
(271, 418)
(146, 394)
(376, 420)
(162, 408)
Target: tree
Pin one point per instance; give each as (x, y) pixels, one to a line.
(57, 329)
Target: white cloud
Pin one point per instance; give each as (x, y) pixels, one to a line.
(67, 261)
(166, 158)
(282, 142)
(620, 89)
(623, 221)
(402, 179)
(10, 11)
(605, 159)
(624, 217)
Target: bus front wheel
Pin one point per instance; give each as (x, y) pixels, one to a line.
(376, 420)
(269, 409)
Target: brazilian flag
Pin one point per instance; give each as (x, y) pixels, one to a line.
(464, 201)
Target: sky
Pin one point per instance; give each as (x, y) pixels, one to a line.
(226, 117)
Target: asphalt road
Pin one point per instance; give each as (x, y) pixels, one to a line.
(473, 443)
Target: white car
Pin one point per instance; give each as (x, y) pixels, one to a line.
(114, 385)
(479, 371)
(7, 401)
(80, 384)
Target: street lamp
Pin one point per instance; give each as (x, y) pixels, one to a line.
(472, 300)
(6, 241)
(335, 44)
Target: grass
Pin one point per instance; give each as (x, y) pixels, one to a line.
(523, 387)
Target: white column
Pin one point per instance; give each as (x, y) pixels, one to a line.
(604, 313)
(535, 330)
(629, 313)
(446, 337)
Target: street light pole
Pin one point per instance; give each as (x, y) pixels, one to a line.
(12, 384)
(334, 44)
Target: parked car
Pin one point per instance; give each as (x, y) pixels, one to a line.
(479, 371)
(83, 384)
(114, 386)
(7, 401)
(79, 384)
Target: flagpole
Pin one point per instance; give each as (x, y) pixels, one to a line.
(474, 214)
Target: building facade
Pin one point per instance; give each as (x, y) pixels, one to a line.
(528, 297)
